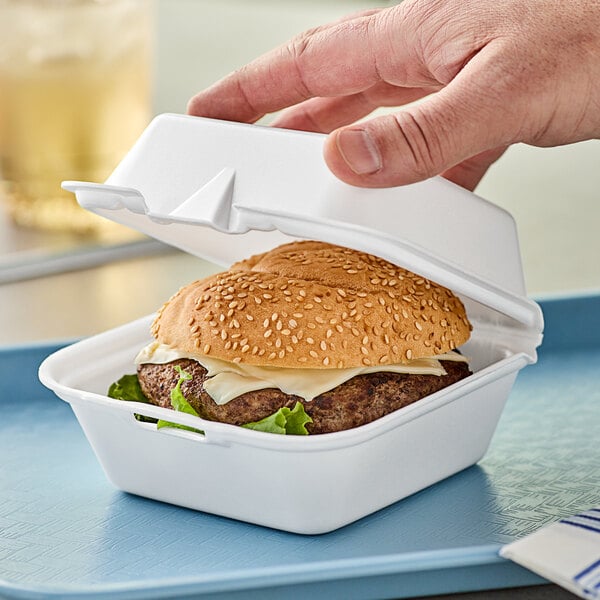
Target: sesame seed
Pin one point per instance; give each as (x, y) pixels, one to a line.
(267, 333)
(309, 340)
(409, 354)
(326, 361)
(313, 354)
(364, 350)
(323, 345)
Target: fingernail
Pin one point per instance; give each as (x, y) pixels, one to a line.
(359, 151)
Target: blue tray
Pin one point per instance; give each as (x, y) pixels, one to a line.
(65, 532)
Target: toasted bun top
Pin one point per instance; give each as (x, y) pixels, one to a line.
(311, 304)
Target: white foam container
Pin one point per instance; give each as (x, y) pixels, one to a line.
(225, 191)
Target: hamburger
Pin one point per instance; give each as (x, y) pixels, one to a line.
(311, 335)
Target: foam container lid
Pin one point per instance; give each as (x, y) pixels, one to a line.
(224, 191)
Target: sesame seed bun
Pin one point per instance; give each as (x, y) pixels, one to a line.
(314, 305)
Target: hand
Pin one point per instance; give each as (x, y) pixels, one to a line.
(486, 74)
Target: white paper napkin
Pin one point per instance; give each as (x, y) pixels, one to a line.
(566, 552)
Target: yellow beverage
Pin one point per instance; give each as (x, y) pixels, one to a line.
(74, 96)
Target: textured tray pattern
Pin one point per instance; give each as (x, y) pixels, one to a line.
(66, 532)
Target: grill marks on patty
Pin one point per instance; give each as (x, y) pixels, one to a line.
(358, 401)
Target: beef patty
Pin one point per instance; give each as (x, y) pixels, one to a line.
(358, 401)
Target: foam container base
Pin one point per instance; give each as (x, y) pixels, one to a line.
(303, 484)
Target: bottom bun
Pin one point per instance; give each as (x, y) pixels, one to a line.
(358, 401)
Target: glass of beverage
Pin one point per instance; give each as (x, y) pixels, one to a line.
(75, 78)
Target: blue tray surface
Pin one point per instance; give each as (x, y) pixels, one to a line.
(66, 532)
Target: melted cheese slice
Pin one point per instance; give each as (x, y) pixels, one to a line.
(227, 380)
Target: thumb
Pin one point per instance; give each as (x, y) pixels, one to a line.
(421, 140)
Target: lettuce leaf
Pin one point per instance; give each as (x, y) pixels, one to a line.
(179, 403)
(128, 388)
(284, 421)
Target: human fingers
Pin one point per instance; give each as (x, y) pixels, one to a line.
(469, 172)
(339, 60)
(326, 114)
(465, 119)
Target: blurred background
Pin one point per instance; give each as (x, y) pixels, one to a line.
(554, 194)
